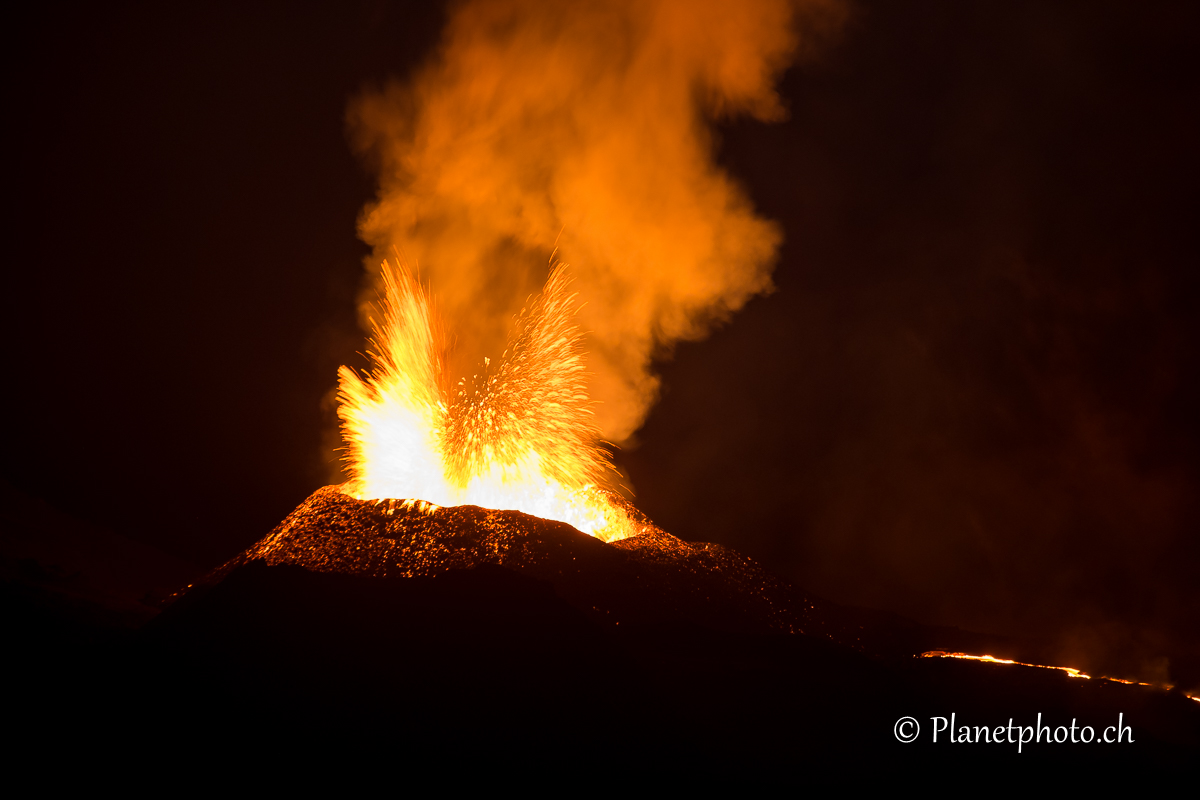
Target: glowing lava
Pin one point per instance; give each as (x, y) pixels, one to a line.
(1071, 671)
(521, 437)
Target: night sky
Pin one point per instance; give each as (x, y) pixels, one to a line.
(970, 399)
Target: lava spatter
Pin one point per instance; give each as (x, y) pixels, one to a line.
(521, 437)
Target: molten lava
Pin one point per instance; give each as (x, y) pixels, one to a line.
(521, 436)
(1071, 671)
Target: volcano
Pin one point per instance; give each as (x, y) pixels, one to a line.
(652, 578)
(648, 580)
(496, 631)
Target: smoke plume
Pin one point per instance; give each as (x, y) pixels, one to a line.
(583, 127)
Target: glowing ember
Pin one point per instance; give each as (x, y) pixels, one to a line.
(520, 437)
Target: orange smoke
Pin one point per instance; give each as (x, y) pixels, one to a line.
(583, 124)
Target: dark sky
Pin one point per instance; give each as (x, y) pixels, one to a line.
(971, 399)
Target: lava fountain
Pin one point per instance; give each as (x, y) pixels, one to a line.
(519, 436)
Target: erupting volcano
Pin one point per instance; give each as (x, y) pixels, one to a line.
(519, 436)
(643, 392)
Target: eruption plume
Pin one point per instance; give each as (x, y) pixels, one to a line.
(581, 125)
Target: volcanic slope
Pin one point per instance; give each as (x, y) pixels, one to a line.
(493, 631)
(642, 582)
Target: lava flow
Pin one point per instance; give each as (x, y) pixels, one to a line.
(520, 437)
(1071, 671)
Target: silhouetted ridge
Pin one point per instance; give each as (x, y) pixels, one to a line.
(500, 633)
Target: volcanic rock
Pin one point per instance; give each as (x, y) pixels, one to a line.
(495, 631)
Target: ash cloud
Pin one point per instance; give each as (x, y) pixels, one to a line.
(586, 128)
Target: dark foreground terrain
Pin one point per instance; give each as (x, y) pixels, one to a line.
(480, 640)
